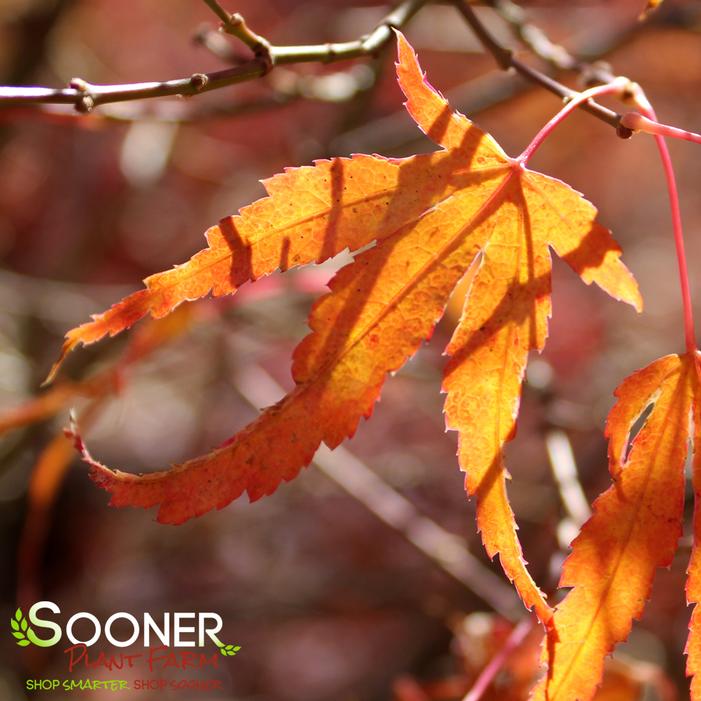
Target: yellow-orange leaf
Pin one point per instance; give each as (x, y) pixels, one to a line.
(646, 384)
(311, 214)
(634, 529)
(431, 218)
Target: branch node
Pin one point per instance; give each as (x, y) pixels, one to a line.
(261, 47)
(236, 20)
(198, 81)
(623, 132)
(78, 84)
(85, 104)
(330, 54)
(84, 101)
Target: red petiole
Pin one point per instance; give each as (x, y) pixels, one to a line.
(659, 133)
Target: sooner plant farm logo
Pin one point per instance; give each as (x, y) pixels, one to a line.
(167, 644)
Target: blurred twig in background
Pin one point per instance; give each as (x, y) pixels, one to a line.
(357, 479)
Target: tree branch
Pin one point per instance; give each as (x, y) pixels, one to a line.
(218, 10)
(236, 26)
(555, 55)
(85, 96)
(506, 60)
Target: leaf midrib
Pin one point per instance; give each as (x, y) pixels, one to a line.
(417, 277)
(633, 521)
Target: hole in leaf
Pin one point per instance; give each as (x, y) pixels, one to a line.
(636, 428)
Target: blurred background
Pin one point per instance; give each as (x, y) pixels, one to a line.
(364, 578)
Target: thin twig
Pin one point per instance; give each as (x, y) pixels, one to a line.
(218, 10)
(561, 458)
(287, 86)
(506, 60)
(388, 134)
(84, 96)
(544, 48)
(235, 25)
(564, 470)
(517, 636)
(444, 548)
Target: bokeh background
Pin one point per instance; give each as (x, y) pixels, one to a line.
(327, 601)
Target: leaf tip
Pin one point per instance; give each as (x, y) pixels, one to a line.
(407, 63)
(402, 42)
(68, 345)
(636, 300)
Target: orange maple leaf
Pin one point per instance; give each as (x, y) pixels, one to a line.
(633, 530)
(431, 217)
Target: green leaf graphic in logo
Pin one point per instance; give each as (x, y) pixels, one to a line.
(24, 633)
(228, 650)
(21, 630)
